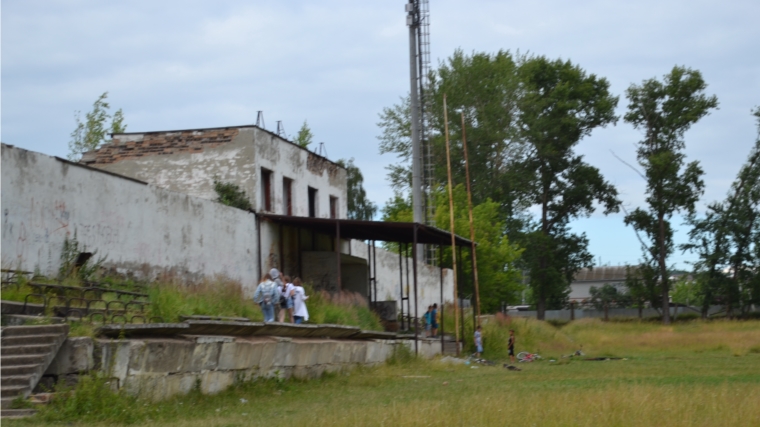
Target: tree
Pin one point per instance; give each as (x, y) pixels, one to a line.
(665, 111)
(359, 206)
(727, 239)
(231, 194)
(498, 274)
(608, 296)
(91, 133)
(485, 88)
(560, 105)
(304, 136)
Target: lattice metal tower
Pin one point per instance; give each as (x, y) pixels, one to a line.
(418, 20)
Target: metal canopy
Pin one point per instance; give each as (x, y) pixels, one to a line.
(399, 232)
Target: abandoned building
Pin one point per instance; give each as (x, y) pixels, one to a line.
(146, 201)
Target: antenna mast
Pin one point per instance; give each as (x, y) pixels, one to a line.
(423, 208)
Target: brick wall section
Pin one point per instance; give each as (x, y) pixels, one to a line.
(158, 143)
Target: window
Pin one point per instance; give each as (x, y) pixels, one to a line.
(287, 196)
(333, 207)
(266, 190)
(312, 202)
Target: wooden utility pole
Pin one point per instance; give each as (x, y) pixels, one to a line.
(472, 226)
(451, 220)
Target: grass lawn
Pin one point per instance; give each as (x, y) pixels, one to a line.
(693, 374)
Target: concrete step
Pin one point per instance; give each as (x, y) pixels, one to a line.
(12, 414)
(16, 379)
(23, 359)
(30, 339)
(19, 370)
(13, 390)
(17, 350)
(10, 331)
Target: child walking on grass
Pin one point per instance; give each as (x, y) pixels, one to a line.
(478, 342)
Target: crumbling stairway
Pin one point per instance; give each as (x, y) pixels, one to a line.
(26, 353)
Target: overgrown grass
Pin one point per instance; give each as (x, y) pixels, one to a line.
(687, 376)
(220, 297)
(344, 308)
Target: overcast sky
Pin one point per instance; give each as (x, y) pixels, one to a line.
(193, 64)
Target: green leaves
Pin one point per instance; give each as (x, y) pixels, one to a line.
(304, 137)
(231, 194)
(359, 206)
(91, 133)
(664, 111)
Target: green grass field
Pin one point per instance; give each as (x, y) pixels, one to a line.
(691, 374)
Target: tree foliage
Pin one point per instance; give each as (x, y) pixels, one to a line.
(304, 137)
(560, 104)
(359, 206)
(91, 133)
(498, 274)
(524, 116)
(727, 241)
(664, 111)
(231, 194)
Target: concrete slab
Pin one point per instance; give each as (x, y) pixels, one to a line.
(370, 335)
(334, 331)
(277, 329)
(222, 327)
(142, 330)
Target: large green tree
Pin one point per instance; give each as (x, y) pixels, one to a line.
(91, 133)
(359, 206)
(561, 104)
(498, 273)
(524, 115)
(727, 239)
(484, 87)
(664, 111)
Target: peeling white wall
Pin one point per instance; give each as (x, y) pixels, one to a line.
(240, 161)
(140, 228)
(388, 280)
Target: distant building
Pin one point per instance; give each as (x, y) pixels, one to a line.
(580, 288)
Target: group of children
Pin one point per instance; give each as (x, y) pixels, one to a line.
(289, 297)
(431, 321)
(479, 343)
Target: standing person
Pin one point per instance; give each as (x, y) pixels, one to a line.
(266, 296)
(511, 346)
(277, 279)
(428, 321)
(300, 313)
(286, 299)
(478, 342)
(434, 317)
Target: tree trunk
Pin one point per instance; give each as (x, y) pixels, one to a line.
(664, 273)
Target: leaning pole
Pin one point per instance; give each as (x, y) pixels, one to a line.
(451, 221)
(472, 226)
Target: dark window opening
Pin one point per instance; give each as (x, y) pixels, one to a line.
(333, 207)
(287, 196)
(266, 190)
(312, 202)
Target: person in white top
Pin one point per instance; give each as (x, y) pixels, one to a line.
(286, 300)
(300, 313)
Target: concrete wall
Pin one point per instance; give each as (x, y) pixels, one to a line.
(141, 228)
(162, 367)
(188, 162)
(388, 280)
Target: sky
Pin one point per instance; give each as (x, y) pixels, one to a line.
(194, 64)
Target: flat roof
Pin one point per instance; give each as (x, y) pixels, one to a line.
(398, 232)
(224, 128)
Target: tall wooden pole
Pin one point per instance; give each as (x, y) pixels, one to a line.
(472, 226)
(451, 219)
